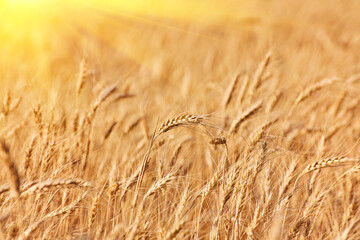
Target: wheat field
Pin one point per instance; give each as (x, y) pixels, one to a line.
(180, 119)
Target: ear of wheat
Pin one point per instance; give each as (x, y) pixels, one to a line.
(312, 89)
(328, 162)
(101, 98)
(259, 74)
(56, 184)
(245, 115)
(273, 101)
(257, 135)
(28, 154)
(94, 206)
(82, 75)
(6, 105)
(109, 130)
(184, 119)
(230, 91)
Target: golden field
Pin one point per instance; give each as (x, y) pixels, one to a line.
(179, 119)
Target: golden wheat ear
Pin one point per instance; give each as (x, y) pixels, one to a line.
(185, 120)
(181, 120)
(82, 75)
(329, 162)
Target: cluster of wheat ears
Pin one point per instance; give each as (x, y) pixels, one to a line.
(115, 126)
(255, 185)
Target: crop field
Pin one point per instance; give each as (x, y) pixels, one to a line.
(180, 119)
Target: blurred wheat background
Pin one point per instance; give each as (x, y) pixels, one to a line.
(179, 119)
